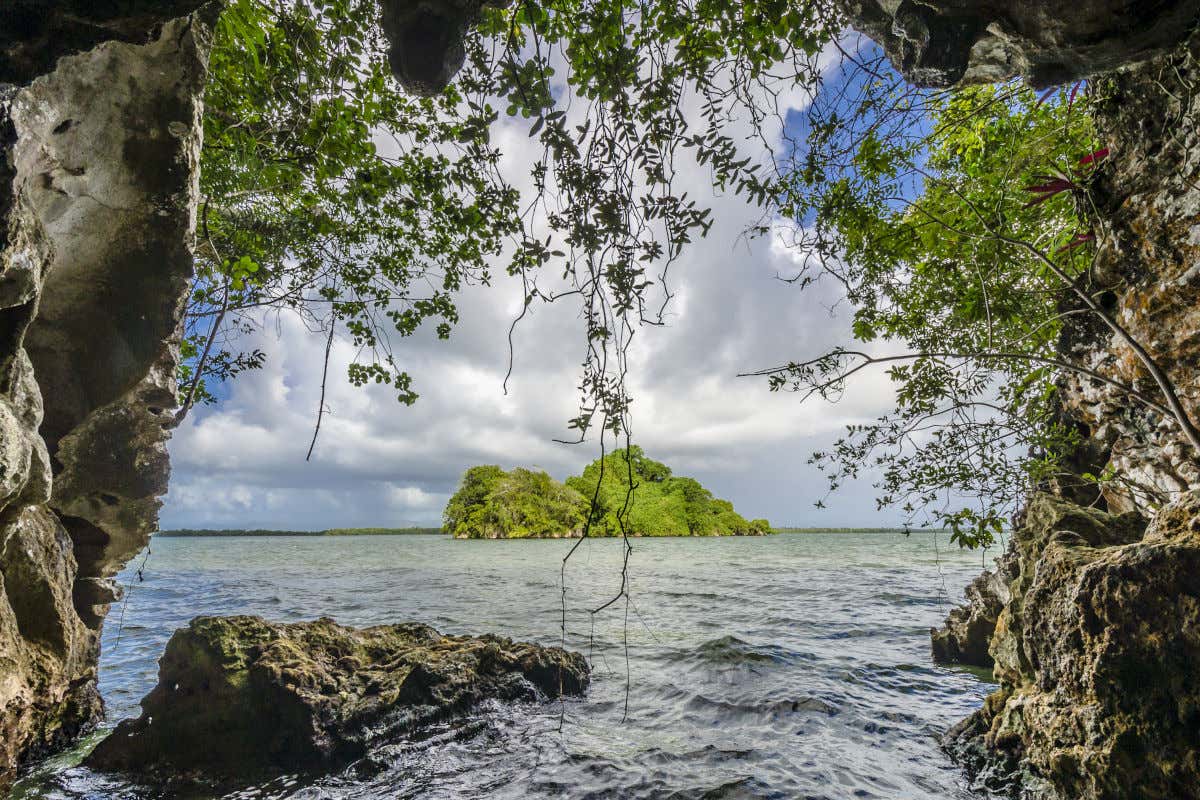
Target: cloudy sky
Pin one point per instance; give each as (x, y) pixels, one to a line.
(241, 463)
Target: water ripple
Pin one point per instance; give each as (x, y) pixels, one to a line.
(793, 666)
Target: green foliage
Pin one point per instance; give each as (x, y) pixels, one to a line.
(940, 248)
(494, 504)
(640, 497)
(330, 193)
(848, 531)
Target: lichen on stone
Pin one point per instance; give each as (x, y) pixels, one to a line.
(1095, 653)
(240, 697)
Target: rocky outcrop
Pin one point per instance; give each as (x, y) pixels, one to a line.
(238, 696)
(1145, 209)
(945, 42)
(967, 632)
(426, 39)
(1096, 654)
(98, 175)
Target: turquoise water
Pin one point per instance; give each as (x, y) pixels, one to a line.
(791, 666)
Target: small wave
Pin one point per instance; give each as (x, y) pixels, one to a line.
(764, 708)
(731, 650)
(710, 753)
(747, 787)
(692, 595)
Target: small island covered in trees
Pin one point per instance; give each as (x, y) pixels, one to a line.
(528, 504)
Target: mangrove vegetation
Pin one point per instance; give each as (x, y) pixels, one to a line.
(622, 493)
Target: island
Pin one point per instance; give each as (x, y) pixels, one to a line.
(529, 504)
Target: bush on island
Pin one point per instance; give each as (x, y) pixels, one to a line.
(521, 504)
(494, 504)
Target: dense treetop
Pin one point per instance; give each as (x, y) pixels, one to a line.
(622, 493)
(493, 504)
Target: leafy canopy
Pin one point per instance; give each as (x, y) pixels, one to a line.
(919, 204)
(493, 504)
(329, 193)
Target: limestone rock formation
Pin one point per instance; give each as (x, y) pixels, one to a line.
(425, 37)
(1096, 654)
(965, 636)
(944, 42)
(238, 696)
(98, 169)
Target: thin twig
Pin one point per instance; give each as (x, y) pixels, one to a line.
(324, 376)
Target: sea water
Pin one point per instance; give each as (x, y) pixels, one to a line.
(788, 666)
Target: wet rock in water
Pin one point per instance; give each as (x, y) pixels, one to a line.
(240, 697)
(1096, 654)
(967, 632)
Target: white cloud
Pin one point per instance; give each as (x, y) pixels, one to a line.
(242, 464)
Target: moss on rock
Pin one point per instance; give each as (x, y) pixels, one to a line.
(1096, 653)
(240, 697)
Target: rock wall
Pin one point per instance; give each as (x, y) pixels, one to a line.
(1145, 210)
(98, 182)
(1096, 640)
(944, 42)
(1096, 654)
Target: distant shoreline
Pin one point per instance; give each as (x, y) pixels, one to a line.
(183, 533)
(189, 532)
(851, 530)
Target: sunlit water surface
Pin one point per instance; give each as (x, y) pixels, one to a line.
(792, 666)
